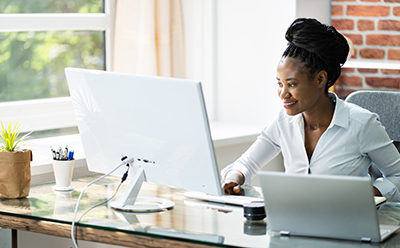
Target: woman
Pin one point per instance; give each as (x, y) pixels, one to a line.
(317, 132)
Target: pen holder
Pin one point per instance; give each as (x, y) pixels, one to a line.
(63, 170)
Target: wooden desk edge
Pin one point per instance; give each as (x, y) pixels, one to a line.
(92, 234)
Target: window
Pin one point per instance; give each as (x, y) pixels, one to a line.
(51, 6)
(32, 62)
(38, 40)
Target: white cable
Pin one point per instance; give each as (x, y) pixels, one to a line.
(81, 194)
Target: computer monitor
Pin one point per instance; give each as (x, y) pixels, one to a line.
(159, 123)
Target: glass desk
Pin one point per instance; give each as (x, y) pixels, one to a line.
(190, 223)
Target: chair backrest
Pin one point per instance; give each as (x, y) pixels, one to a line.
(384, 103)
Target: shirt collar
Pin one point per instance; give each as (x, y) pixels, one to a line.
(341, 113)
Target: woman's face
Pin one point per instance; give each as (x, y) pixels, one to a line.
(298, 90)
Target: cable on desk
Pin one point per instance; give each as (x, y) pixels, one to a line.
(104, 202)
(124, 177)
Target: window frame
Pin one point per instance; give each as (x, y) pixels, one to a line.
(42, 114)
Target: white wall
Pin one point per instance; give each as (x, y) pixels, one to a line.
(319, 9)
(233, 47)
(250, 43)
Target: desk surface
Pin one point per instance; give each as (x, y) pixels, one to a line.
(189, 223)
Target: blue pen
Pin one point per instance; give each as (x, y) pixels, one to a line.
(71, 155)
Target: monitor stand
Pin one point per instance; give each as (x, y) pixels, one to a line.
(130, 202)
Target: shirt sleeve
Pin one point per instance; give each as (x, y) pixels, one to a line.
(385, 156)
(263, 150)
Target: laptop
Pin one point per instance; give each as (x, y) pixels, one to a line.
(251, 195)
(338, 207)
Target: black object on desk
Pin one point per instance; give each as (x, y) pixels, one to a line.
(254, 211)
(255, 215)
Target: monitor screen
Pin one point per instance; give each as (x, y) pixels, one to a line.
(159, 122)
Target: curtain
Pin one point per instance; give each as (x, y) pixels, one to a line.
(148, 38)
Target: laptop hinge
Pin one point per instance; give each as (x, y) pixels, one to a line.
(364, 239)
(284, 233)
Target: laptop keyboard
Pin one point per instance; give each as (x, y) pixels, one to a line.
(225, 199)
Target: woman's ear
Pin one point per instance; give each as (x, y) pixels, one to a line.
(322, 78)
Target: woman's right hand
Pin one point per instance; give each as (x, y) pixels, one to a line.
(231, 183)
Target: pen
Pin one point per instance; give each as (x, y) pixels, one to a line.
(62, 154)
(53, 152)
(71, 155)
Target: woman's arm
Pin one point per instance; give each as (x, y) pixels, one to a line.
(377, 144)
(387, 159)
(246, 166)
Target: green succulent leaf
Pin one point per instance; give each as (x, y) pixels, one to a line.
(9, 136)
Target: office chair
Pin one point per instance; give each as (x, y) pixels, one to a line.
(386, 104)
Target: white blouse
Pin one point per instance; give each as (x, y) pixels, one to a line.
(353, 139)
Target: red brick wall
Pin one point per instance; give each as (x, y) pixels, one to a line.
(373, 26)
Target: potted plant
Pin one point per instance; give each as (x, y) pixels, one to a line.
(15, 163)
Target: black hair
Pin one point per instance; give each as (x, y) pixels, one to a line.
(318, 46)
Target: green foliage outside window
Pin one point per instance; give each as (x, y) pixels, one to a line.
(51, 6)
(32, 63)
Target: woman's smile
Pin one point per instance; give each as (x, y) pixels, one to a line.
(287, 104)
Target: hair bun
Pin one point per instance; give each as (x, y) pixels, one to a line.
(323, 40)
